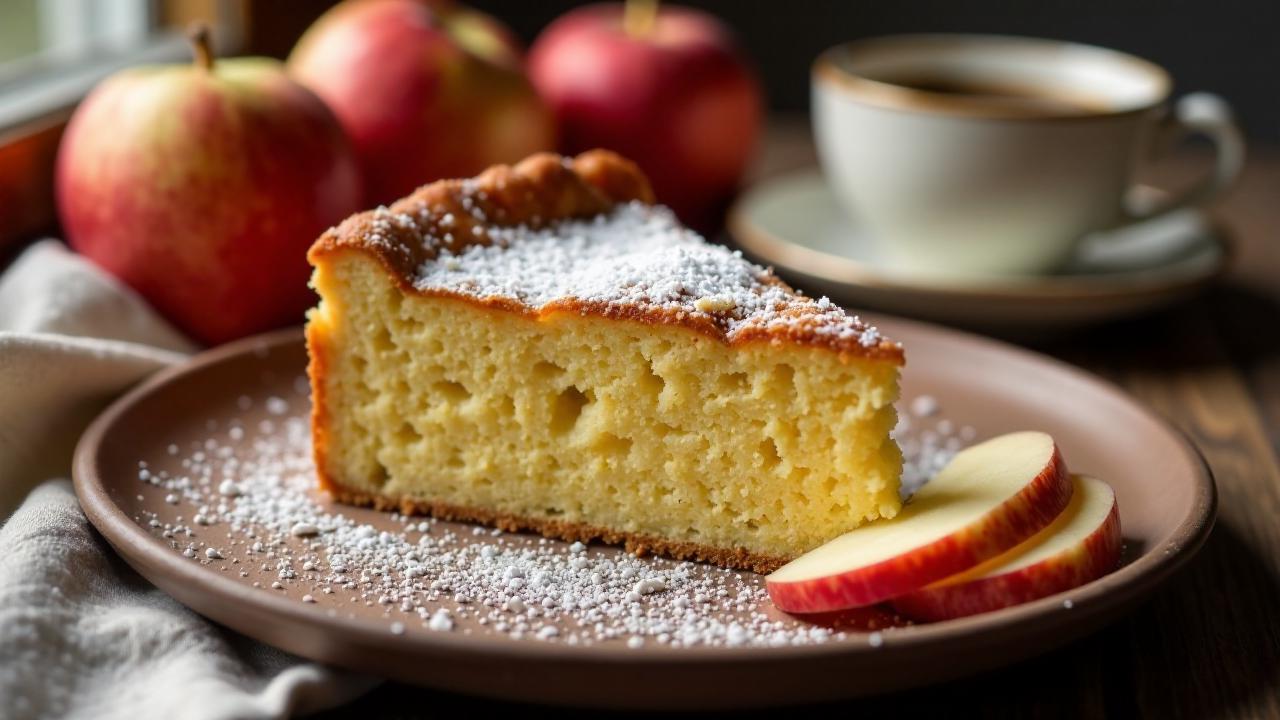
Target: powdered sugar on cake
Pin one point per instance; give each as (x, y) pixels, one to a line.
(637, 255)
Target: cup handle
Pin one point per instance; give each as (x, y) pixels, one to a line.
(1206, 114)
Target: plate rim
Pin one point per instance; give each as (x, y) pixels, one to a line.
(1100, 598)
(838, 269)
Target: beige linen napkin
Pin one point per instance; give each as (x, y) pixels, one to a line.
(82, 635)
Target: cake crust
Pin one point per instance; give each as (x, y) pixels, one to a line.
(636, 543)
(450, 216)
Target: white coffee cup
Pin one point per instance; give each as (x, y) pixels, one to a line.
(973, 155)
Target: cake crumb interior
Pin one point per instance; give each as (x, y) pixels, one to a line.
(651, 429)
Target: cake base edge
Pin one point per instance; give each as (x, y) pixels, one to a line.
(638, 544)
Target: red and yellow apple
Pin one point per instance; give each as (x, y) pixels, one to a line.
(1081, 545)
(202, 186)
(988, 499)
(424, 90)
(665, 87)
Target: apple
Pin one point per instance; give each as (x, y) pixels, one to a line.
(201, 186)
(1083, 544)
(424, 90)
(988, 499)
(666, 88)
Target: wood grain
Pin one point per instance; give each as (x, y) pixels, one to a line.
(1210, 645)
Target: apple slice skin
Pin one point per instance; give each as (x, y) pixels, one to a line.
(1097, 555)
(1001, 528)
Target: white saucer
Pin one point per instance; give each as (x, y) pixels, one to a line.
(794, 223)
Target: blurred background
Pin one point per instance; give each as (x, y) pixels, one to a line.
(53, 51)
(1231, 47)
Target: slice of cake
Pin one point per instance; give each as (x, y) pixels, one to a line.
(542, 348)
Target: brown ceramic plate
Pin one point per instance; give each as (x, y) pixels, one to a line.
(1166, 495)
(794, 223)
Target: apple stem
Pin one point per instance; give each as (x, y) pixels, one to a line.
(198, 36)
(639, 16)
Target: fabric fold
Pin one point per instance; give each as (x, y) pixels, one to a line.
(81, 634)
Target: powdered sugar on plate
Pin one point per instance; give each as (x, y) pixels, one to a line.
(928, 440)
(241, 500)
(277, 533)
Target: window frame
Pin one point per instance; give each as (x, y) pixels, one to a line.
(39, 94)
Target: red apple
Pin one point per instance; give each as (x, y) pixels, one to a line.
(669, 91)
(202, 186)
(425, 91)
(1083, 544)
(988, 499)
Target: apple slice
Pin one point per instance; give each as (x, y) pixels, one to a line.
(988, 499)
(1081, 545)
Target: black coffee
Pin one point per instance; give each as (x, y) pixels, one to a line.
(1029, 96)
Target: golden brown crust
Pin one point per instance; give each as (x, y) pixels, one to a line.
(317, 371)
(542, 189)
(446, 215)
(639, 544)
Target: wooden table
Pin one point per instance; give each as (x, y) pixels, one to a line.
(1208, 643)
